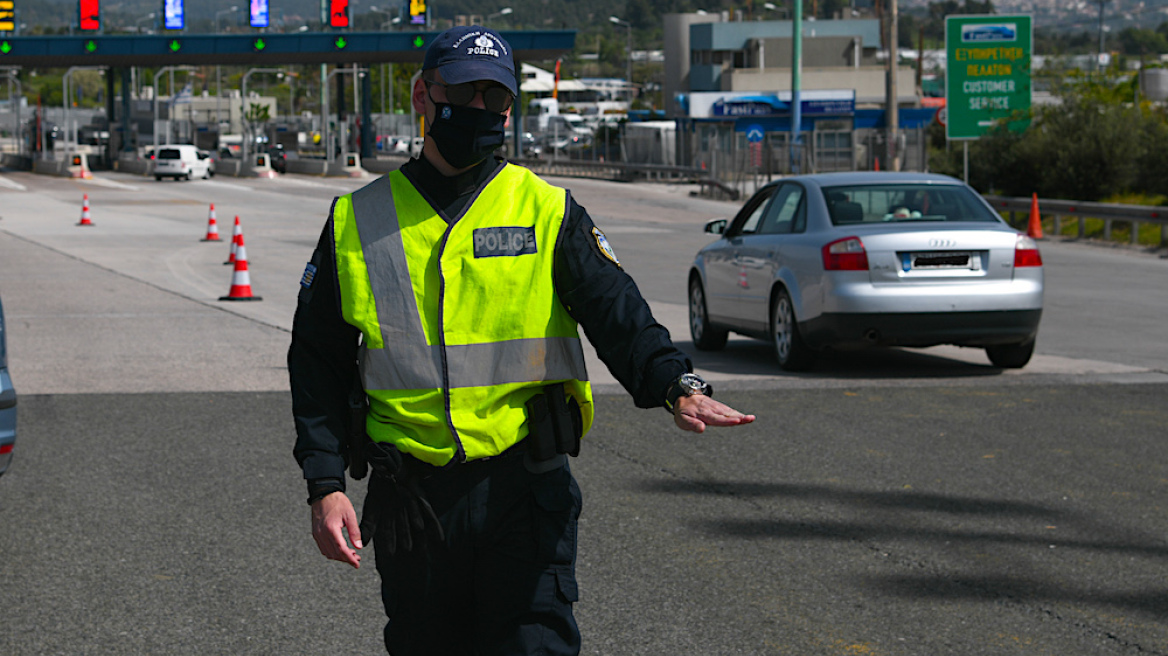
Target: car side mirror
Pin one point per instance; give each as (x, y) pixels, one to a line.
(717, 226)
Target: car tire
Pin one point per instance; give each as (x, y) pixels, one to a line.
(1011, 356)
(158, 178)
(791, 352)
(188, 177)
(705, 336)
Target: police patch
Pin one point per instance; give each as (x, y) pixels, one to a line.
(309, 274)
(605, 248)
(504, 241)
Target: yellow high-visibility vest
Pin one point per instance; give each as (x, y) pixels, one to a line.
(460, 321)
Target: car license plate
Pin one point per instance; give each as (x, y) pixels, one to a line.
(934, 260)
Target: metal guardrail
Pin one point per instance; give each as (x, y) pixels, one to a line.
(625, 172)
(1079, 211)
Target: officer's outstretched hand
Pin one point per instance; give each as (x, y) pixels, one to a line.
(694, 413)
(329, 516)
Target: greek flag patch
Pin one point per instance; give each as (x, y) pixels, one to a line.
(504, 241)
(309, 274)
(605, 247)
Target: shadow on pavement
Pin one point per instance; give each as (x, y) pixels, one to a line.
(749, 357)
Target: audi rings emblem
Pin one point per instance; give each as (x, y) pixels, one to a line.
(942, 243)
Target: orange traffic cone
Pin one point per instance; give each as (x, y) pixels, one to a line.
(212, 226)
(240, 280)
(85, 220)
(1034, 230)
(236, 240)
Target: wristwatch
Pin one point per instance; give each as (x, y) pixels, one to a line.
(688, 385)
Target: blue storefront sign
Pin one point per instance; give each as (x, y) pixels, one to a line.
(749, 106)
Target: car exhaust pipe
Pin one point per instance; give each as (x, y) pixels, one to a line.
(872, 335)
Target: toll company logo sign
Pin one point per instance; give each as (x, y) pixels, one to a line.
(989, 32)
(504, 241)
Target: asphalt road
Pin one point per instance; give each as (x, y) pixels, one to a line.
(890, 502)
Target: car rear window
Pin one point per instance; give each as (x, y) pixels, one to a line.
(886, 203)
(169, 153)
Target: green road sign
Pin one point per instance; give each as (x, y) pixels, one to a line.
(987, 77)
(175, 45)
(340, 43)
(5, 47)
(258, 45)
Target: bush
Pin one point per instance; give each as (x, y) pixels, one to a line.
(1087, 148)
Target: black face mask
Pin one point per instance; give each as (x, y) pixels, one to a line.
(466, 135)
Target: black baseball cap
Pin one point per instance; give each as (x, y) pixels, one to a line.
(469, 53)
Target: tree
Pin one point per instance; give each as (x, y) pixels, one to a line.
(255, 118)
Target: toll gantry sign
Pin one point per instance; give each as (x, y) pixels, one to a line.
(987, 77)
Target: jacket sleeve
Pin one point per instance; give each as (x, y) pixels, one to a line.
(605, 301)
(322, 367)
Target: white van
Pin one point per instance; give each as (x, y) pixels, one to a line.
(180, 161)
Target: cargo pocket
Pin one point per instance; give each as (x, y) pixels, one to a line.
(556, 510)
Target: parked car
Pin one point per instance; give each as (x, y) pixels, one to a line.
(7, 402)
(211, 159)
(180, 161)
(844, 260)
(277, 157)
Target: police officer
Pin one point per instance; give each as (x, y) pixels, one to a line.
(452, 289)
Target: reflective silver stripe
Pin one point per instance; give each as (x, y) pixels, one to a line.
(414, 365)
(481, 365)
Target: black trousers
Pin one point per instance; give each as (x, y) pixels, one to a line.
(505, 580)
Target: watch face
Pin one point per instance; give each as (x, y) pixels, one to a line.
(693, 384)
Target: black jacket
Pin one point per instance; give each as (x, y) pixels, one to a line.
(599, 295)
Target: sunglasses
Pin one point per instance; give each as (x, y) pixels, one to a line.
(495, 98)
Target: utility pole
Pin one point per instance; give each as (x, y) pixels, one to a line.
(796, 84)
(1102, 39)
(891, 114)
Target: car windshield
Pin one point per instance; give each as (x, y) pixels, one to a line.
(168, 153)
(881, 203)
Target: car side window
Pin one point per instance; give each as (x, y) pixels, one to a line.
(746, 223)
(787, 213)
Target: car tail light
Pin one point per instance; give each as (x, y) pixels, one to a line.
(1026, 253)
(5, 449)
(845, 254)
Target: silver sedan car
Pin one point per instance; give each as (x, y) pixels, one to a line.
(845, 260)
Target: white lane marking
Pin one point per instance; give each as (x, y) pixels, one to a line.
(103, 182)
(227, 185)
(5, 182)
(304, 183)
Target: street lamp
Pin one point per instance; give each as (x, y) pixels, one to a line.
(243, 99)
(164, 69)
(387, 14)
(143, 19)
(18, 127)
(502, 12)
(66, 92)
(629, 54)
(290, 77)
(229, 10)
(328, 151)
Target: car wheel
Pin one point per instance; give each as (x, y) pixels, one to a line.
(705, 336)
(1011, 356)
(792, 353)
(158, 178)
(188, 177)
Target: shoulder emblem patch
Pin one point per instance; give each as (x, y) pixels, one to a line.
(605, 247)
(309, 274)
